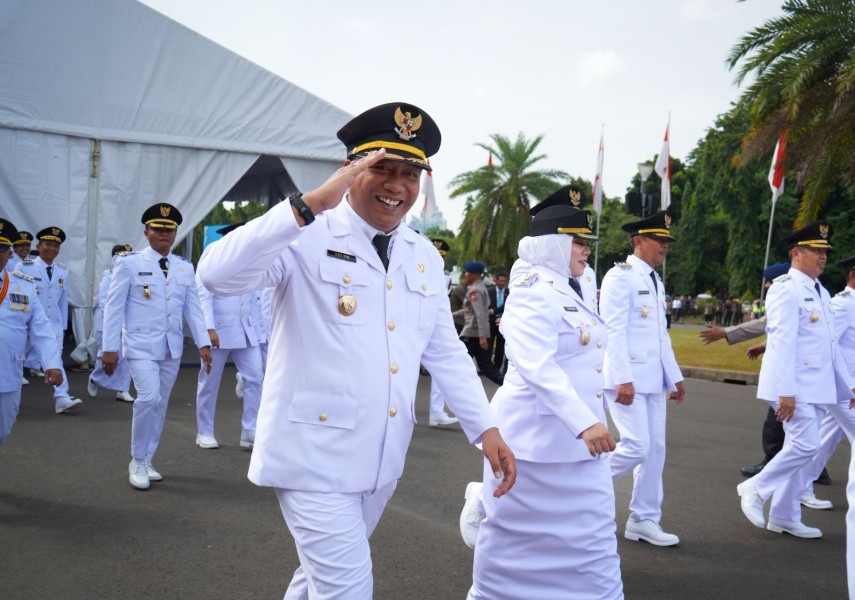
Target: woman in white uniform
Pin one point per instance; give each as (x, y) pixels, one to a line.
(554, 536)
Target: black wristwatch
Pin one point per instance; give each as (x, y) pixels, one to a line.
(303, 209)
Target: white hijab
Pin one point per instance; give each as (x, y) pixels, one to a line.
(551, 251)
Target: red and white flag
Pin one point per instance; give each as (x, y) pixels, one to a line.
(490, 160)
(429, 196)
(598, 179)
(663, 167)
(776, 171)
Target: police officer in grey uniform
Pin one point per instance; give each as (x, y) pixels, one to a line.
(51, 279)
(21, 316)
(476, 328)
(151, 293)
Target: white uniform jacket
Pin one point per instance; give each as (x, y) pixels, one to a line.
(144, 313)
(843, 305)
(588, 283)
(639, 345)
(233, 317)
(101, 302)
(802, 356)
(553, 390)
(337, 411)
(22, 315)
(53, 291)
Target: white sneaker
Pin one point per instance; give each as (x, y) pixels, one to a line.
(63, 404)
(206, 441)
(125, 396)
(473, 514)
(138, 474)
(92, 388)
(247, 438)
(809, 500)
(153, 475)
(24, 380)
(751, 502)
(650, 532)
(239, 386)
(796, 528)
(441, 419)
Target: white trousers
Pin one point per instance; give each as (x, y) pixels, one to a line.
(154, 380)
(437, 401)
(838, 421)
(641, 450)
(331, 531)
(119, 381)
(248, 362)
(10, 402)
(850, 526)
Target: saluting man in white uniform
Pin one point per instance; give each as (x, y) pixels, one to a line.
(51, 279)
(234, 333)
(359, 303)
(21, 317)
(152, 291)
(640, 371)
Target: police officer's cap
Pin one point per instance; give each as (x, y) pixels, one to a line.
(24, 237)
(815, 235)
(772, 272)
(162, 216)
(8, 233)
(570, 195)
(847, 264)
(473, 266)
(230, 228)
(121, 249)
(657, 226)
(51, 234)
(407, 133)
(441, 245)
(562, 218)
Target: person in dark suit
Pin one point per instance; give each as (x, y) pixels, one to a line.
(498, 296)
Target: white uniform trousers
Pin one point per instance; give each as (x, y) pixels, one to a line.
(331, 532)
(437, 400)
(839, 421)
(61, 390)
(248, 362)
(120, 380)
(9, 404)
(850, 526)
(550, 538)
(641, 450)
(785, 477)
(154, 380)
(263, 347)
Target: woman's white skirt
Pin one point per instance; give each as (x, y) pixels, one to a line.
(551, 537)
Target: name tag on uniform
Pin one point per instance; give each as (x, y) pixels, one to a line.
(642, 292)
(808, 299)
(144, 273)
(571, 309)
(341, 256)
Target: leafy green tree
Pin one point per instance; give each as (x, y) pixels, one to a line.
(498, 199)
(804, 68)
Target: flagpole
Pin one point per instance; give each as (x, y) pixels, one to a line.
(768, 244)
(598, 195)
(597, 246)
(776, 182)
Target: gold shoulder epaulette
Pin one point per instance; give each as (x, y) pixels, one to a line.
(27, 261)
(843, 293)
(623, 265)
(107, 271)
(63, 265)
(526, 281)
(783, 277)
(23, 276)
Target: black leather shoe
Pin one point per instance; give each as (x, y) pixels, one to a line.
(752, 471)
(824, 478)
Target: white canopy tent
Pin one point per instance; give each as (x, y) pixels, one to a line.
(107, 106)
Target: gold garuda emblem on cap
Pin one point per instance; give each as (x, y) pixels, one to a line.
(823, 231)
(164, 211)
(575, 197)
(55, 230)
(407, 124)
(127, 247)
(667, 221)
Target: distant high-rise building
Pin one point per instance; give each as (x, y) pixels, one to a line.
(437, 221)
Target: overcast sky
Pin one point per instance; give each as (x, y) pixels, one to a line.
(560, 68)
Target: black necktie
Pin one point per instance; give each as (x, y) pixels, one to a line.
(49, 272)
(816, 285)
(574, 283)
(163, 266)
(381, 243)
(653, 277)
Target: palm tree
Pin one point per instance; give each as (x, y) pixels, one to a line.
(498, 198)
(804, 64)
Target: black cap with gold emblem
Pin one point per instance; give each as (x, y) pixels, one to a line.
(441, 245)
(24, 237)
(162, 215)
(8, 233)
(120, 249)
(562, 218)
(406, 132)
(657, 226)
(815, 235)
(51, 234)
(569, 195)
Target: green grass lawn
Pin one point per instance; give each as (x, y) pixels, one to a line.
(691, 351)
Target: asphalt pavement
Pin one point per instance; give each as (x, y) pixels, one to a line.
(72, 527)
